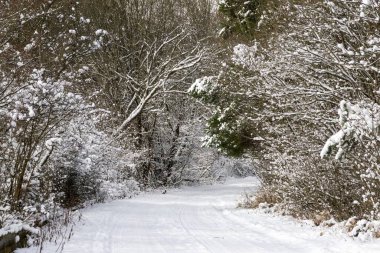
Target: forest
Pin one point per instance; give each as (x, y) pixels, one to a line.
(105, 99)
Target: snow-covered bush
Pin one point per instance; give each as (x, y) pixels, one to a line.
(88, 165)
(33, 110)
(32, 113)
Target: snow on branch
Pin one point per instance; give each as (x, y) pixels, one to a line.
(203, 85)
(158, 72)
(356, 121)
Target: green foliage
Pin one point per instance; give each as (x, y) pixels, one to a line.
(229, 129)
(240, 16)
(225, 133)
(231, 132)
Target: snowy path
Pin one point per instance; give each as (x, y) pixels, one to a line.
(199, 220)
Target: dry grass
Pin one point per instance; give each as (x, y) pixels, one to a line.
(262, 196)
(322, 217)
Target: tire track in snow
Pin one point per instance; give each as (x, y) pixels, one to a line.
(198, 220)
(191, 234)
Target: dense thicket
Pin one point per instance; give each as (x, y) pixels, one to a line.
(300, 94)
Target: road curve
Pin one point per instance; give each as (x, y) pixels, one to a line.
(198, 220)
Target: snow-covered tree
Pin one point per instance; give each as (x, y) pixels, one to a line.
(154, 49)
(280, 94)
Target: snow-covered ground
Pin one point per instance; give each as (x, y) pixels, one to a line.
(198, 220)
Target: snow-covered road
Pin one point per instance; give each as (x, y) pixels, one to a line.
(197, 220)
